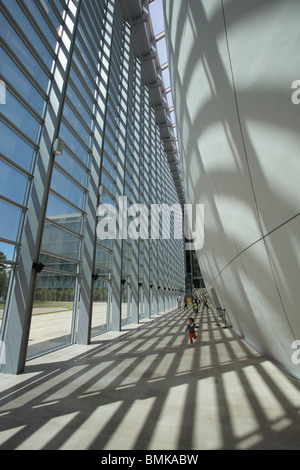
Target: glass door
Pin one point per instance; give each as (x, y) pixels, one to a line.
(101, 306)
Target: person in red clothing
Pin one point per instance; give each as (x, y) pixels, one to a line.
(191, 328)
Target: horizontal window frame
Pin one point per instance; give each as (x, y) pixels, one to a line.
(47, 20)
(65, 273)
(77, 159)
(76, 135)
(38, 30)
(23, 102)
(64, 258)
(26, 41)
(13, 203)
(18, 131)
(83, 64)
(78, 116)
(71, 178)
(80, 236)
(24, 70)
(81, 99)
(69, 203)
(16, 167)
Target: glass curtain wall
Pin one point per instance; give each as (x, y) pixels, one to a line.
(30, 34)
(70, 74)
(64, 226)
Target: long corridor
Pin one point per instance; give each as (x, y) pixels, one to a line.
(148, 388)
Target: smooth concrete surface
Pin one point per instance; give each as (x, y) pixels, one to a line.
(232, 66)
(148, 388)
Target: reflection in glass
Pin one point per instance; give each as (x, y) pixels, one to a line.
(10, 216)
(23, 54)
(12, 183)
(30, 32)
(101, 306)
(10, 147)
(73, 143)
(8, 250)
(124, 305)
(58, 264)
(17, 79)
(52, 312)
(64, 186)
(73, 168)
(60, 242)
(103, 258)
(63, 214)
(4, 281)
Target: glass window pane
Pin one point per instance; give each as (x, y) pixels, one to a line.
(100, 312)
(81, 88)
(41, 21)
(61, 184)
(58, 264)
(108, 166)
(60, 242)
(20, 117)
(73, 168)
(77, 61)
(10, 220)
(73, 143)
(48, 8)
(63, 214)
(8, 250)
(108, 183)
(52, 312)
(13, 184)
(5, 272)
(29, 30)
(15, 77)
(103, 258)
(79, 106)
(13, 147)
(76, 124)
(22, 52)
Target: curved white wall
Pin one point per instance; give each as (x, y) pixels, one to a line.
(232, 66)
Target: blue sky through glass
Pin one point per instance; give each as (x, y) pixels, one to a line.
(157, 18)
(156, 11)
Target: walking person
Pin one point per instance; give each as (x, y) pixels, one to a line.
(205, 302)
(191, 328)
(185, 302)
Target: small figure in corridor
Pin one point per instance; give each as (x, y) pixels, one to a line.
(185, 302)
(179, 301)
(191, 328)
(205, 302)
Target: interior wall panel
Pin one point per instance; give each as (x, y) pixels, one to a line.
(232, 65)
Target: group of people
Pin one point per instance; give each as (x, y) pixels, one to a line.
(195, 301)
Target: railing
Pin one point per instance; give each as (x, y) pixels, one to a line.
(222, 316)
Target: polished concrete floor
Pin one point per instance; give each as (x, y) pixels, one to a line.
(148, 388)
